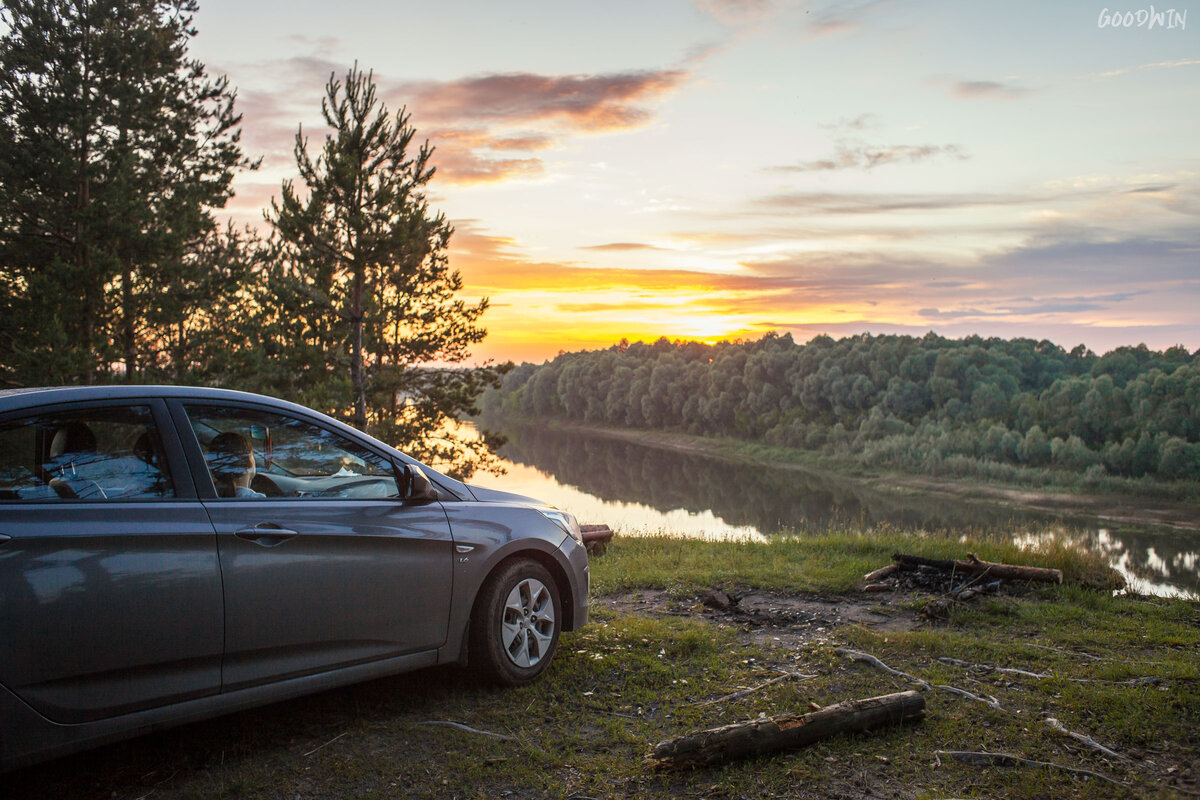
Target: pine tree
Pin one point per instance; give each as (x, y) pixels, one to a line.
(360, 295)
(115, 148)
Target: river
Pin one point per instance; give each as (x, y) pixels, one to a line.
(640, 489)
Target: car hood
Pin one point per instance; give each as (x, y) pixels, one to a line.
(496, 496)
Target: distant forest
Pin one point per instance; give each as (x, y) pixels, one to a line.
(990, 408)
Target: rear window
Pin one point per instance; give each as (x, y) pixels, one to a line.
(97, 454)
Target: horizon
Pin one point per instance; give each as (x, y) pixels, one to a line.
(717, 169)
(677, 342)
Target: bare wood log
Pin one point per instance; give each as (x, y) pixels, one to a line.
(880, 574)
(978, 759)
(972, 565)
(787, 731)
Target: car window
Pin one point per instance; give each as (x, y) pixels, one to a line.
(256, 455)
(97, 454)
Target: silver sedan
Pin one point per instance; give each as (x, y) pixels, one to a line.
(169, 554)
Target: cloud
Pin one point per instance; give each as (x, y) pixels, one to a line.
(324, 45)
(582, 102)
(485, 128)
(845, 203)
(992, 90)
(622, 247)
(859, 123)
(862, 203)
(1181, 62)
(473, 155)
(735, 12)
(840, 17)
(861, 156)
(1052, 305)
(476, 122)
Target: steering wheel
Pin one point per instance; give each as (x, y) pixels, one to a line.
(264, 485)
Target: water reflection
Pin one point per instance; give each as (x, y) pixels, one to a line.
(634, 486)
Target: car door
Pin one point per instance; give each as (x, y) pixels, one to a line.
(323, 564)
(110, 588)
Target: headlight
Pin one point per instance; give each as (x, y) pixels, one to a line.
(565, 521)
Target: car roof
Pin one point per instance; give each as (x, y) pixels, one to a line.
(43, 395)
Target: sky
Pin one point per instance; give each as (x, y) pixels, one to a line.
(718, 169)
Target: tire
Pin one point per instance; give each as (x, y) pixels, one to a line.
(515, 624)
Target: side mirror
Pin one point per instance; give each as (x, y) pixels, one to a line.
(419, 489)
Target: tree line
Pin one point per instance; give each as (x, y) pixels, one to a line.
(117, 153)
(971, 406)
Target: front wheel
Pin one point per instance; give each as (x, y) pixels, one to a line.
(515, 626)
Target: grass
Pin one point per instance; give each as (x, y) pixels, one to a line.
(627, 681)
(831, 561)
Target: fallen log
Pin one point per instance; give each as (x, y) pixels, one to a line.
(786, 731)
(880, 574)
(973, 565)
(596, 537)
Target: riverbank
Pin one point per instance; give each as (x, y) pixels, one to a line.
(1126, 506)
(660, 659)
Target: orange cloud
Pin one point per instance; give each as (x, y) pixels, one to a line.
(621, 247)
(465, 156)
(474, 118)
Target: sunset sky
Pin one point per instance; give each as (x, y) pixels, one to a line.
(722, 168)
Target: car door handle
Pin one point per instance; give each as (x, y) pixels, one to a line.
(4, 537)
(267, 534)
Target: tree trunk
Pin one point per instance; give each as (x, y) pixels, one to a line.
(356, 352)
(128, 331)
(759, 736)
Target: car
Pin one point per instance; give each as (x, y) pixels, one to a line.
(168, 554)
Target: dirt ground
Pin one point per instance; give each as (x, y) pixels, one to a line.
(772, 619)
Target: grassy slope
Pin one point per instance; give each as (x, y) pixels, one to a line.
(626, 682)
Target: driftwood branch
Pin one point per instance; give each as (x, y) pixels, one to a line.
(1085, 740)
(857, 655)
(787, 731)
(787, 676)
(331, 741)
(977, 759)
(1001, 670)
(988, 701)
(461, 727)
(972, 565)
